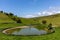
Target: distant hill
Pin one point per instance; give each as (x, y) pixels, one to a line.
(54, 19)
(5, 19)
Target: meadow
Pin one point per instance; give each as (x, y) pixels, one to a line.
(54, 19)
(52, 36)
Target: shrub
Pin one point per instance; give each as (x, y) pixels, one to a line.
(11, 14)
(6, 13)
(1, 11)
(19, 21)
(44, 22)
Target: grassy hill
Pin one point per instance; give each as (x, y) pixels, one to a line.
(54, 19)
(4, 18)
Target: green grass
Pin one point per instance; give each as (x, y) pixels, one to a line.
(53, 36)
(41, 26)
(10, 25)
(5, 19)
(55, 20)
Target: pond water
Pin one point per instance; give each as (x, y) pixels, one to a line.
(29, 31)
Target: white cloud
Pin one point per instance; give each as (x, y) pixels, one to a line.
(49, 11)
(29, 16)
(39, 14)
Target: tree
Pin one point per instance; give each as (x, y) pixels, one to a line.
(1, 11)
(6, 13)
(44, 22)
(14, 18)
(50, 26)
(11, 14)
(19, 21)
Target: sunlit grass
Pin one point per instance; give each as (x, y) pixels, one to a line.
(53, 36)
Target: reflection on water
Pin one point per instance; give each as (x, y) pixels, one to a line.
(29, 31)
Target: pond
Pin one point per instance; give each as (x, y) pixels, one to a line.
(29, 31)
(25, 31)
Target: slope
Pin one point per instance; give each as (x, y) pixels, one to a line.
(4, 18)
(54, 19)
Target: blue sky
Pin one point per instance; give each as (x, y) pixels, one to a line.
(30, 8)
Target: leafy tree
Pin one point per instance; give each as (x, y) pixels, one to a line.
(6, 13)
(44, 22)
(14, 19)
(1, 11)
(50, 26)
(11, 14)
(19, 21)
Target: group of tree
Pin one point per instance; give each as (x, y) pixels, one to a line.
(1, 11)
(49, 25)
(12, 16)
(17, 19)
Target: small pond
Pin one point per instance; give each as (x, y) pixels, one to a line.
(29, 31)
(24, 31)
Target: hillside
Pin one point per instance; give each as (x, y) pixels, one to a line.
(54, 19)
(4, 18)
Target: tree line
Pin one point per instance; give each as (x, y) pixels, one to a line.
(12, 16)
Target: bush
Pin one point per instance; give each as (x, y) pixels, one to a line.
(1, 11)
(6, 13)
(19, 21)
(11, 14)
(44, 22)
(14, 19)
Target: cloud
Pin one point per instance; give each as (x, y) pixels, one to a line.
(49, 11)
(29, 16)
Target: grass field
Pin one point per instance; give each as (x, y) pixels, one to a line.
(55, 20)
(53, 36)
(5, 19)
